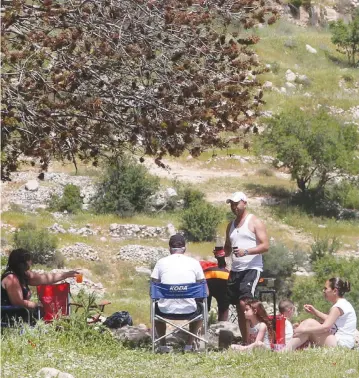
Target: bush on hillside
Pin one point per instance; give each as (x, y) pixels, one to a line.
(191, 196)
(200, 221)
(280, 262)
(346, 193)
(125, 189)
(70, 201)
(323, 247)
(41, 243)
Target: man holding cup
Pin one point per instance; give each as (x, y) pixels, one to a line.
(246, 240)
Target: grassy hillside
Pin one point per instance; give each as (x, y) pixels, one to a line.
(282, 46)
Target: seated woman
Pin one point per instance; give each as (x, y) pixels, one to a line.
(337, 327)
(15, 283)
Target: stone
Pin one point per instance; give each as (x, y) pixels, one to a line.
(302, 79)
(143, 269)
(32, 185)
(171, 230)
(290, 86)
(283, 90)
(310, 49)
(268, 85)
(171, 192)
(290, 75)
(134, 335)
(48, 372)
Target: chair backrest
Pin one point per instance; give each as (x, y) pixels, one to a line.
(195, 290)
(55, 300)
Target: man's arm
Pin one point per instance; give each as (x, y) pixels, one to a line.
(227, 244)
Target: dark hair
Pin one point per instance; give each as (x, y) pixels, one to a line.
(285, 305)
(177, 241)
(262, 316)
(17, 264)
(340, 285)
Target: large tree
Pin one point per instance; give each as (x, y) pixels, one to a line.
(82, 78)
(316, 148)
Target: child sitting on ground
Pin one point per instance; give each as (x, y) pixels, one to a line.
(261, 333)
(286, 308)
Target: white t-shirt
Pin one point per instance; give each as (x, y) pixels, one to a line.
(346, 324)
(288, 331)
(177, 269)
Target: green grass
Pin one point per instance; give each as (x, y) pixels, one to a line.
(318, 67)
(96, 355)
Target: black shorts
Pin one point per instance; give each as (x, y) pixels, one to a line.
(190, 316)
(242, 284)
(217, 288)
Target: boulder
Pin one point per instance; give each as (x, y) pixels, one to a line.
(310, 49)
(32, 185)
(268, 85)
(290, 75)
(48, 372)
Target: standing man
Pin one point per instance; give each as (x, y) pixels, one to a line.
(246, 240)
(176, 269)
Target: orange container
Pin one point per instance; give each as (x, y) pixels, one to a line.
(79, 277)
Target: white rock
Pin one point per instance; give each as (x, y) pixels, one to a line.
(283, 90)
(322, 226)
(310, 49)
(103, 239)
(32, 185)
(290, 75)
(268, 85)
(171, 192)
(171, 230)
(290, 86)
(47, 372)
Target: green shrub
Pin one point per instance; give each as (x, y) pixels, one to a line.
(41, 243)
(200, 221)
(279, 262)
(346, 193)
(125, 189)
(323, 247)
(265, 172)
(192, 196)
(70, 201)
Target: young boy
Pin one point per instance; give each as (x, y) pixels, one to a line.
(286, 308)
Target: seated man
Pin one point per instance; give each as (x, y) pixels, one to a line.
(176, 269)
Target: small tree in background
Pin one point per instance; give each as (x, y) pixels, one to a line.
(41, 243)
(200, 221)
(70, 201)
(125, 188)
(315, 147)
(346, 37)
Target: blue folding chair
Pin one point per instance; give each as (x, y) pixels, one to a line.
(196, 291)
(10, 315)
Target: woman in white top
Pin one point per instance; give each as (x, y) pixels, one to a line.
(337, 327)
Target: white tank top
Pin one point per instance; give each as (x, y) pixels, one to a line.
(243, 238)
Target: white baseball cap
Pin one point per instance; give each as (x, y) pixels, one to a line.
(237, 197)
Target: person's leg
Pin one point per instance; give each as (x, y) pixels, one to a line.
(223, 315)
(242, 322)
(320, 339)
(194, 328)
(161, 330)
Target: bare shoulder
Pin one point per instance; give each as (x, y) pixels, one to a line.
(9, 280)
(256, 223)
